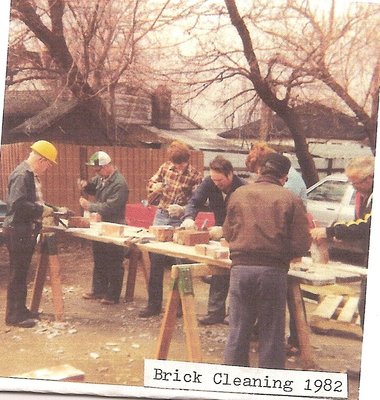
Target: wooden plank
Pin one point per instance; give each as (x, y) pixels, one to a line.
(349, 310)
(313, 278)
(324, 319)
(343, 267)
(334, 327)
(328, 306)
(319, 292)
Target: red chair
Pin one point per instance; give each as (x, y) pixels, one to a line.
(138, 215)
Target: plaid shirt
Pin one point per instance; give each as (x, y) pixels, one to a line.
(178, 185)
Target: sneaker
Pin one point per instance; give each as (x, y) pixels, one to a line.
(149, 312)
(92, 296)
(26, 323)
(210, 319)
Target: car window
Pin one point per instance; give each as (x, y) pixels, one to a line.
(332, 191)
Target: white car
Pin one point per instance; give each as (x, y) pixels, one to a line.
(331, 199)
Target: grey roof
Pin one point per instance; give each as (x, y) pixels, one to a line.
(317, 120)
(199, 139)
(45, 118)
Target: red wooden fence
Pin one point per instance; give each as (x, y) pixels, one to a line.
(59, 184)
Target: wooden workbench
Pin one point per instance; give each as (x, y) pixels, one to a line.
(182, 288)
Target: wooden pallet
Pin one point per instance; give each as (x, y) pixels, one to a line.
(337, 315)
(318, 293)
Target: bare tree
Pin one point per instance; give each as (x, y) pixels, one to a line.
(339, 48)
(55, 42)
(291, 52)
(97, 44)
(264, 90)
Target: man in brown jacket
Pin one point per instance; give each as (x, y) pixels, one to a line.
(266, 227)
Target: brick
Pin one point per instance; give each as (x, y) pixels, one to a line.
(191, 238)
(162, 233)
(78, 222)
(201, 249)
(64, 372)
(109, 229)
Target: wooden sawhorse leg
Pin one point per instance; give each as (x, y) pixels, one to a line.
(137, 259)
(297, 312)
(48, 260)
(182, 289)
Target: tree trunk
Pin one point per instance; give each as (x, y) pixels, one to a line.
(266, 94)
(55, 42)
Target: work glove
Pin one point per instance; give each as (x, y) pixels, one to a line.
(216, 232)
(188, 223)
(176, 211)
(157, 187)
(47, 211)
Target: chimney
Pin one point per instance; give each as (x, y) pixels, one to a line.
(161, 104)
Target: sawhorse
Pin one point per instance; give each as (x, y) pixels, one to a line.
(137, 259)
(48, 260)
(181, 289)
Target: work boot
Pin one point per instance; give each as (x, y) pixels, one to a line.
(211, 319)
(25, 323)
(149, 312)
(31, 315)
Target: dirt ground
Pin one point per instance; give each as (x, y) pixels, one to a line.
(110, 343)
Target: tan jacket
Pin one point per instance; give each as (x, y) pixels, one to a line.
(266, 224)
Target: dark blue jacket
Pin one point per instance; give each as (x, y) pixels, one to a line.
(208, 193)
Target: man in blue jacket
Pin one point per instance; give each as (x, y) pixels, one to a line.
(214, 190)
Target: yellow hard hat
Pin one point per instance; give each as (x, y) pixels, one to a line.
(45, 149)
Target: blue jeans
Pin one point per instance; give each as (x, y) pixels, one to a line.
(159, 262)
(257, 292)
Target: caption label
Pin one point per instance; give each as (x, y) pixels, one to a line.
(222, 378)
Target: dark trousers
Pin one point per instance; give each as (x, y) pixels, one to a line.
(217, 295)
(20, 244)
(158, 264)
(108, 273)
(257, 293)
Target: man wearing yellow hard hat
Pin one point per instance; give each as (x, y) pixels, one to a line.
(22, 223)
